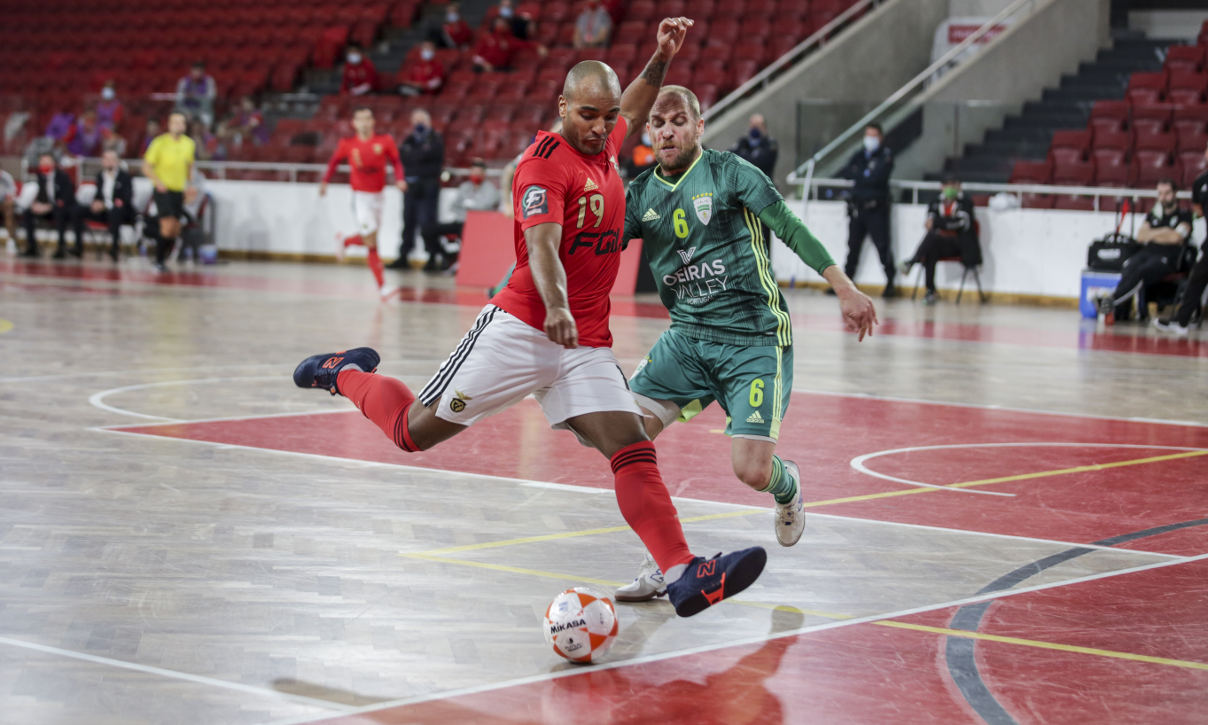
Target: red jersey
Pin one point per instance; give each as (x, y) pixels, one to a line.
(357, 75)
(367, 160)
(556, 183)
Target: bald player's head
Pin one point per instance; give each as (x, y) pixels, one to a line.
(589, 105)
(675, 128)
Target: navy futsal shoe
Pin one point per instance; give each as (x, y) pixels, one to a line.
(708, 581)
(320, 371)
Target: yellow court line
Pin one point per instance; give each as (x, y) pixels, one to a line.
(1044, 645)
(894, 624)
(5, 326)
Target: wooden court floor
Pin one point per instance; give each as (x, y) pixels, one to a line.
(1008, 520)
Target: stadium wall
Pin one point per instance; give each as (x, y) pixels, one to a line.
(1029, 252)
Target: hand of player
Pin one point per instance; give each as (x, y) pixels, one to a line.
(98, 206)
(402, 185)
(322, 189)
(671, 35)
(560, 327)
(859, 313)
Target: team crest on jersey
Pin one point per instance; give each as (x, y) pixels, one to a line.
(534, 201)
(703, 203)
(377, 148)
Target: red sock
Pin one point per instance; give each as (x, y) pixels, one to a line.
(383, 400)
(353, 241)
(375, 265)
(647, 506)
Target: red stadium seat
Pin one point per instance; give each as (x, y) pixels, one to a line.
(1109, 115)
(1036, 201)
(1112, 168)
(1120, 140)
(1193, 165)
(1074, 202)
(1149, 166)
(1069, 146)
(1161, 142)
(1191, 139)
(1031, 172)
(1154, 116)
(1146, 88)
(1188, 87)
(1190, 119)
(1185, 58)
(1074, 173)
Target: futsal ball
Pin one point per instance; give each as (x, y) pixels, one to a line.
(581, 625)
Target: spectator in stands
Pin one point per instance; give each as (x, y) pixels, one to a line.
(497, 48)
(55, 201)
(1192, 301)
(246, 125)
(425, 75)
(593, 27)
(109, 110)
(168, 163)
(208, 145)
(1166, 229)
(758, 147)
(112, 141)
(113, 203)
(522, 25)
(642, 157)
(195, 94)
(423, 156)
(359, 77)
(950, 233)
(149, 134)
(61, 129)
(455, 32)
(868, 205)
(474, 194)
(8, 203)
(87, 139)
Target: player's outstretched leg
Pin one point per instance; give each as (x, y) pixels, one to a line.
(648, 584)
(708, 581)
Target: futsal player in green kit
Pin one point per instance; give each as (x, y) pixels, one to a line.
(699, 214)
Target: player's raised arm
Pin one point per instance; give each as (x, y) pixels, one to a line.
(639, 96)
(549, 277)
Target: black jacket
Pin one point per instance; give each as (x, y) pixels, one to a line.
(423, 156)
(871, 173)
(123, 188)
(959, 222)
(762, 153)
(64, 189)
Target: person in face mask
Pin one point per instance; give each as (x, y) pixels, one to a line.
(424, 74)
(758, 147)
(593, 27)
(109, 110)
(454, 31)
(1166, 229)
(423, 155)
(195, 95)
(950, 233)
(473, 194)
(521, 25)
(868, 205)
(54, 202)
(359, 77)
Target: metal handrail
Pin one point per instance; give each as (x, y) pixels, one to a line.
(761, 78)
(910, 86)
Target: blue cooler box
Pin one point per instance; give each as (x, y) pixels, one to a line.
(1095, 284)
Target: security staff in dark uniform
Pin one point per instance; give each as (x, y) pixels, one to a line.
(950, 233)
(868, 205)
(1166, 229)
(1197, 281)
(423, 156)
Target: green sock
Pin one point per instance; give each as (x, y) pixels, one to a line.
(782, 486)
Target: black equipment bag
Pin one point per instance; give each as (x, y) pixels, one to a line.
(1109, 253)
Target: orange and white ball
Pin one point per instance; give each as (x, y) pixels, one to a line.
(581, 625)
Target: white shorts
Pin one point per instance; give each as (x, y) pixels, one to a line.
(367, 208)
(501, 360)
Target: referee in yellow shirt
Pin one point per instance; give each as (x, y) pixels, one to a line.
(168, 163)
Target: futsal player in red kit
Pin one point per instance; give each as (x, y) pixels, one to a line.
(367, 154)
(546, 333)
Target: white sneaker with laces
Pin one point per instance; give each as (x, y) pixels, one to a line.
(790, 517)
(647, 585)
(387, 291)
(1172, 327)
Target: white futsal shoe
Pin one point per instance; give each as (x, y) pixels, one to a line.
(790, 517)
(341, 250)
(387, 291)
(647, 585)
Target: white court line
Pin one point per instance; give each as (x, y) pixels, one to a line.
(857, 463)
(97, 399)
(593, 490)
(752, 640)
(176, 675)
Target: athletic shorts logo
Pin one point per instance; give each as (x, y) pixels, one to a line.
(704, 207)
(755, 417)
(534, 202)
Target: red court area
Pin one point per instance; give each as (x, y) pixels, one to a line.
(1106, 478)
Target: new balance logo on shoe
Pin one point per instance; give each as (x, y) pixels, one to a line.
(717, 594)
(755, 417)
(708, 568)
(332, 362)
(650, 215)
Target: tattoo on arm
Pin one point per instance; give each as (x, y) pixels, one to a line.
(655, 71)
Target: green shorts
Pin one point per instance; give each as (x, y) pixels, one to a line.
(750, 383)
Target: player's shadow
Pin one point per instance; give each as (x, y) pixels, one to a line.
(329, 694)
(737, 695)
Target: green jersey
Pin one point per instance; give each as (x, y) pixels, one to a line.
(702, 236)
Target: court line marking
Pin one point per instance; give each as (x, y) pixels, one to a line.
(748, 510)
(5, 325)
(858, 463)
(97, 399)
(826, 626)
(176, 675)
